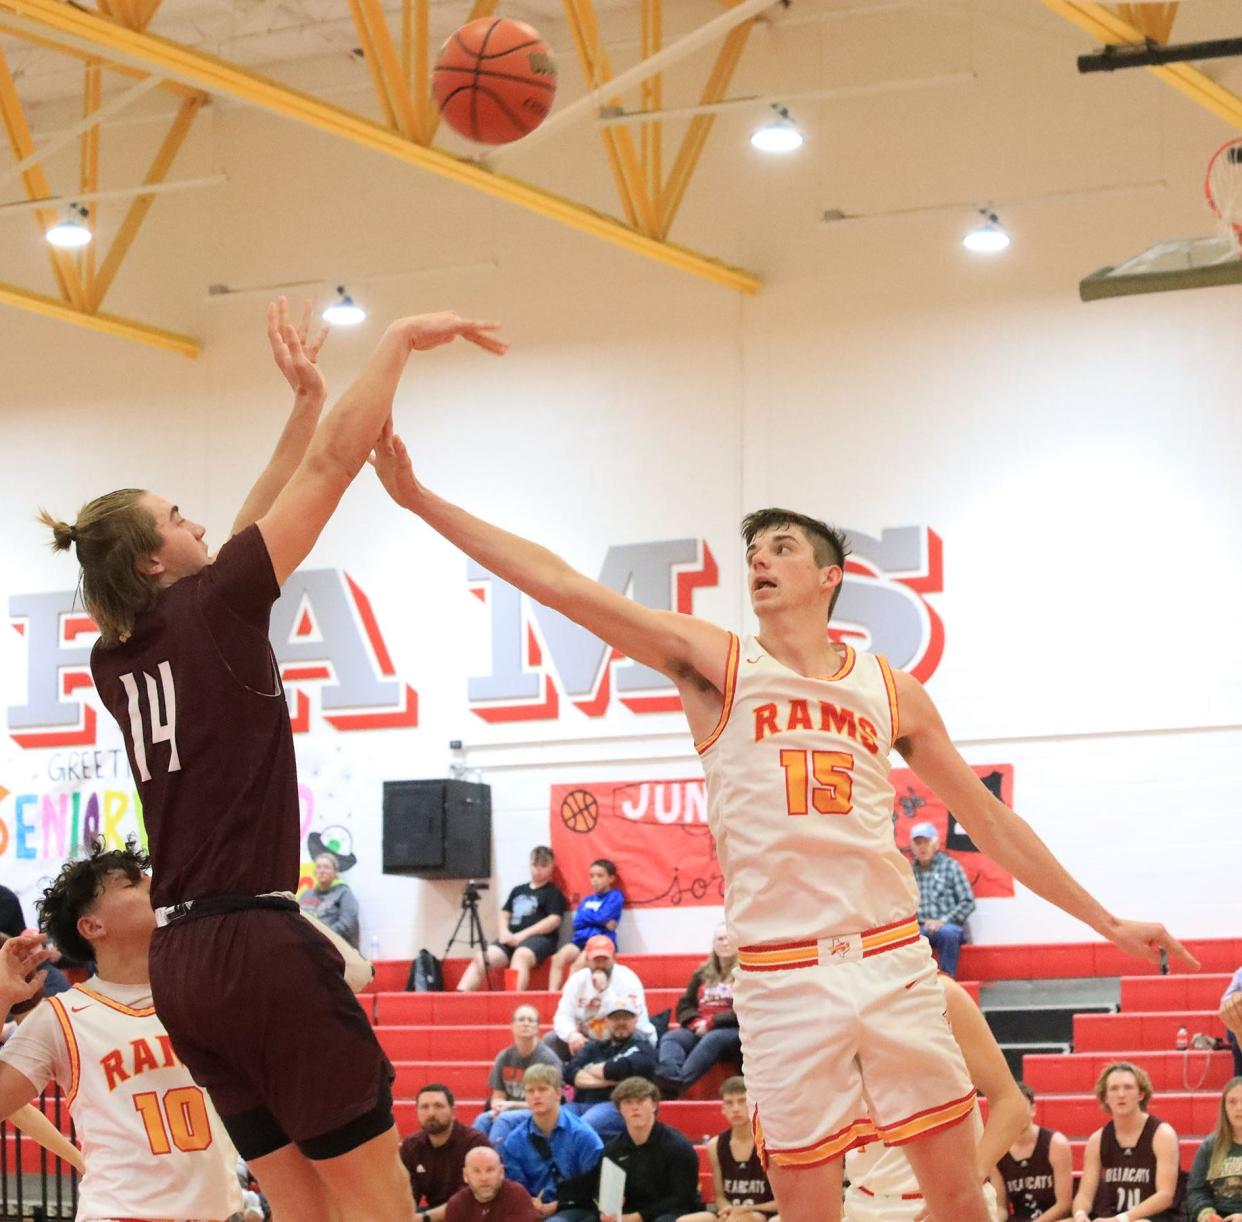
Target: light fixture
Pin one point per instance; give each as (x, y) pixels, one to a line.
(987, 238)
(343, 312)
(70, 233)
(779, 135)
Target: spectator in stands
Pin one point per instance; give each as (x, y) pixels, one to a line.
(1231, 1016)
(1129, 1169)
(598, 915)
(742, 1191)
(601, 1064)
(589, 994)
(945, 897)
(660, 1165)
(435, 1156)
(1214, 1193)
(1038, 1171)
(488, 1196)
(506, 1081)
(527, 928)
(706, 1030)
(551, 1152)
(331, 900)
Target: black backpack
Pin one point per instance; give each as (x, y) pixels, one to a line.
(426, 974)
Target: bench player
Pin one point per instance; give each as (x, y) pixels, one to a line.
(152, 1144)
(794, 733)
(253, 997)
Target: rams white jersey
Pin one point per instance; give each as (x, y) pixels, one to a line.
(799, 800)
(152, 1143)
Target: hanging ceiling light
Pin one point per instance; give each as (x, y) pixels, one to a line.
(988, 238)
(70, 233)
(344, 312)
(779, 135)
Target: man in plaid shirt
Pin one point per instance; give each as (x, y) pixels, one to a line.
(945, 897)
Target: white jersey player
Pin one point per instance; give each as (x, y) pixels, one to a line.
(152, 1145)
(833, 973)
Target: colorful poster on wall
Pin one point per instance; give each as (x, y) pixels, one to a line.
(656, 832)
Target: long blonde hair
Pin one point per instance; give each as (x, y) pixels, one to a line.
(713, 968)
(112, 533)
(1222, 1138)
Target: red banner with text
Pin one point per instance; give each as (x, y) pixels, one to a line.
(656, 832)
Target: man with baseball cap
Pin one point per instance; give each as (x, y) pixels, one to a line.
(945, 897)
(601, 1064)
(590, 994)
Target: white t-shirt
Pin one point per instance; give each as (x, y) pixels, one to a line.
(584, 1006)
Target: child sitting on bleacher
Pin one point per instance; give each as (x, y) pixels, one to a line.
(599, 913)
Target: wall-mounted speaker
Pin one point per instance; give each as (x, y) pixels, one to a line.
(438, 829)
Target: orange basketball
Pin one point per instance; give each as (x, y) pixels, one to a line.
(580, 810)
(494, 80)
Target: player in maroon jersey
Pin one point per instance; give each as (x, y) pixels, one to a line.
(252, 996)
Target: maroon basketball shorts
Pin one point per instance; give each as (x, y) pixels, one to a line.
(259, 1012)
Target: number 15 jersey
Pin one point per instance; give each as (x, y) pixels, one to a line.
(799, 800)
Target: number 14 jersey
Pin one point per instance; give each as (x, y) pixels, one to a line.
(799, 799)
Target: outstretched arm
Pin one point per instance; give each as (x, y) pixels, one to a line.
(690, 651)
(1005, 837)
(344, 439)
(35, 1124)
(20, 959)
(296, 357)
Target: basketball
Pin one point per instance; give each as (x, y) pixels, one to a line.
(580, 810)
(494, 80)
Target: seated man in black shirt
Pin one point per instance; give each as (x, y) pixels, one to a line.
(660, 1165)
(528, 926)
(602, 1063)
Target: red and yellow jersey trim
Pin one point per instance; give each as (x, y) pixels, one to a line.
(71, 1044)
(927, 1121)
(730, 687)
(857, 1133)
(905, 1196)
(784, 956)
(889, 937)
(891, 687)
(119, 1007)
(847, 664)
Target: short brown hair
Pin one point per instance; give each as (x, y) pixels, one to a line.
(112, 533)
(541, 855)
(1144, 1082)
(543, 1075)
(735, 1085)
(829, 544)
(635, 1088)
(1027, 1093)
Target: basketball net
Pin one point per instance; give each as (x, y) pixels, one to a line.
(1223, 188)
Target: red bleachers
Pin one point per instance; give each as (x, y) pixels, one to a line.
(1202, 992)
(1077, 959)
(1077, 1072)
(1154, 1031)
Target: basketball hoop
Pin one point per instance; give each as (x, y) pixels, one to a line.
(1223, 188)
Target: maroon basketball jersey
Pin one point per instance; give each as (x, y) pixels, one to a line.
(744, 1183)
(197, 693)
(1029, 1181)
(1127, 1173)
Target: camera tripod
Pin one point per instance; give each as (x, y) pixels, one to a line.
(475, 938)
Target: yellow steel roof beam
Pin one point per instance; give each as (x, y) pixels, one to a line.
(217, 76)
(109, 324)
(1107, 27)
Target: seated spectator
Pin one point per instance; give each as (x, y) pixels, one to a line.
(660, 1165)
(435, 1156)
(528, 926)
(552, 1153)
(598, 915)
(1038, 1172)
(601, 1064)
(331, 901)
(743, 1193)
(506, 1081)
(12, 923)
(487, 1194)
(707, 1029)
(945, 897)
(1231, 1016)
(1214, 1193)
(1129, 1169)
(587, 996)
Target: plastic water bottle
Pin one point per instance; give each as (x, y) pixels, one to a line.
(374, 947)
(1182, 1040)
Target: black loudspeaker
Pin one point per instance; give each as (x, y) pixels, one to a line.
(438, 829)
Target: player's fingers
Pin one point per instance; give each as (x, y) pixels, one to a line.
(304, 325)
(1170, 943)
(282, 309)
(487, 342)
(313, 350)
